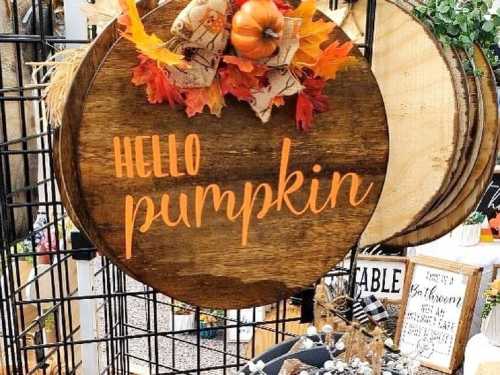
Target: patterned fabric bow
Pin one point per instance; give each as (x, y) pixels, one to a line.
(369, 307)
(201, 32)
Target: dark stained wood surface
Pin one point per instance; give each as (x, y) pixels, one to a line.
(207, 266)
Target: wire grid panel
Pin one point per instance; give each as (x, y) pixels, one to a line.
(61, 311)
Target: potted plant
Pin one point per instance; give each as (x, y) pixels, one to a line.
(469, 233)
(183, 316)
(209, 319)
(491, 314)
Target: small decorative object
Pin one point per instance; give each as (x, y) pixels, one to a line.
(257, 29)
(495, 224)
(209, 319)
(469, 233)
(184, 317)
(376, 351)
(486, 233)
(491, 314)
(375, 361)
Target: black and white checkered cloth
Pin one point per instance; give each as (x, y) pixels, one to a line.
(369, 306)
(374, 308)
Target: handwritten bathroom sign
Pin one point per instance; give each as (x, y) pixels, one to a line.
(218, 212)
(438, 303)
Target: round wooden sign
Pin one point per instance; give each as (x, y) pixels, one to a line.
(423, 94)
(218, 212)
(470, 193)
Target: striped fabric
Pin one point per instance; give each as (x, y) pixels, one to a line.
(369, 307)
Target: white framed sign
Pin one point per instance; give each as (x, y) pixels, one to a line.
(438, 302)
(382, 276)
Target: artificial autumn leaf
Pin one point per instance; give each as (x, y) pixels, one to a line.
(148, 44)
(313, 88)
(283, 6)
(311, 35)
(303, 112)
(243, 64)
(310, 100)
(278, 101)
(159, 89)
(240, 84)
(333, 58)
(198, 98)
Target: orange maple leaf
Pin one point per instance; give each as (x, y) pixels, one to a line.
(148, 44)
(240, 84)
(333, 58)
(311, 35)
(243, 64)
(278, 101)
(198, 98)
(159, 89)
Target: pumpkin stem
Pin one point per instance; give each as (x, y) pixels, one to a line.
(270, 33)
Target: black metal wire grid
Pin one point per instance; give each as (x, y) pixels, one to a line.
(40, 328)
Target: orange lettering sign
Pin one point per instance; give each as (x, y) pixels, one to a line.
(212, 196)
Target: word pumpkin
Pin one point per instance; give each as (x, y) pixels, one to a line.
(270, 198)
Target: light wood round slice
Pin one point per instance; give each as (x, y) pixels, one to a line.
(426, 121)
(467, 162)
(466, 201)
(207, 264)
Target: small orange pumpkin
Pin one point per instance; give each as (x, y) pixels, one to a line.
(256, 29)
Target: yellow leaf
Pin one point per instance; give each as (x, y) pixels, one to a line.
(311, 35)
(148, 44)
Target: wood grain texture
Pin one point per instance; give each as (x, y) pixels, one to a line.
(426, 122)
(468, 157)
(207, 266)
(472, 191)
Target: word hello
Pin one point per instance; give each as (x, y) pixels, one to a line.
(253, 201)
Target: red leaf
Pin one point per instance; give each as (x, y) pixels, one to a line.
(240, 84)
(304, 112)
(159, 89)
(283, 6)
(238, 3)
(310, 100)
(313, 88)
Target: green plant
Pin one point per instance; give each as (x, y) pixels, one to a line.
(492, 296)
(475, 218)
(463, 23)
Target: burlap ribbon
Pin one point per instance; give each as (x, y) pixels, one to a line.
(201, 32)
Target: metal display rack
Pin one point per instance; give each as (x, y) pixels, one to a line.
(52, 321)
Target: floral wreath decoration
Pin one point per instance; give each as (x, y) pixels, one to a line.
(258, 51)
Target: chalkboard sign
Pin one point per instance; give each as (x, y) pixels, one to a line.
(438, 302)
(491, 198)
(382, 276)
